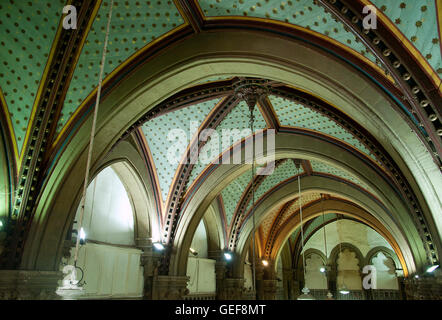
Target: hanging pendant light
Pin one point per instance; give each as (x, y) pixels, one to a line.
(251, 93)
(305, 291)
(344, 289)
(81, 236)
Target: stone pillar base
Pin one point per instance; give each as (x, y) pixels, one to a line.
(29, 285)
(169, 288)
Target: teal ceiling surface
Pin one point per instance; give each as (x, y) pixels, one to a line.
(27, 30)
(417, 20)
(296, 115)
(303, 13)
(270, 221)
(281, 173)
(326, 168)
(232, 194)
(237, 119)
(134, 25)
(318, 222)
(157, 130)
(294, 207)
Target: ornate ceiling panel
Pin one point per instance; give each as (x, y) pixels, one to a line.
(318, 221)
(27, 30)
(282, 172)
(417, 20)
(267, 224)
(296, 115)
(305, 199)
(237, 119)
(232, 194)
(318, 166)
(134, 25)
(271, 221)
(156, 132)
(303, 13)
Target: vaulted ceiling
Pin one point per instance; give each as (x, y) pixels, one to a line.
(140, 30)
(28, 30)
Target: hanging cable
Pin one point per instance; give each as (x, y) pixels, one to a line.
(91, 141)
(302, 230)
(252, 119)
(323, 222)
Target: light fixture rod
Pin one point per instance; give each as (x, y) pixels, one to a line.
(300, 213)
(94, 122)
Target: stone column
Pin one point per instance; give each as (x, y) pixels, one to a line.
(232, 289)
(149, 261)
(169, 287)
(287, 277)
(266, 281)
(269, 289)
(298, 282)
(29, 285)
(220, 271)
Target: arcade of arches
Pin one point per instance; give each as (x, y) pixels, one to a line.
(349, 182)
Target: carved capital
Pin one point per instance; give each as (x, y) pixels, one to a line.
(251, 93)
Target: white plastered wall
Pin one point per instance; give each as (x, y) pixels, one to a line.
(362, 237)
(110, 263)
(200, 269)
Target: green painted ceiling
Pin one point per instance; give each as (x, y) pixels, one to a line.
(302, 13)
(294, 207)
(27, 30)
(281, 173)
(326, 168)
(296, 115)
(232, 194)
(317, 222)
(237, 119)
(417, 20)
(134, 25)
(156, 132)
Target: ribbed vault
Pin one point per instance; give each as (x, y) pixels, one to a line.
(356, 121)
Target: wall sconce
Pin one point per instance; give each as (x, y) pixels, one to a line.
(193, 251)
(82, 236)
(158, 246)
(432, 268)
(227, 256)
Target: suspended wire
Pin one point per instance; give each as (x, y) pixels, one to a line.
(340, 252)
(252, 119)
(302, 230)
(323, 222)
(91, 141)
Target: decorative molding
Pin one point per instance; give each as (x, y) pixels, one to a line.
(34, 155)
(416, 85)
